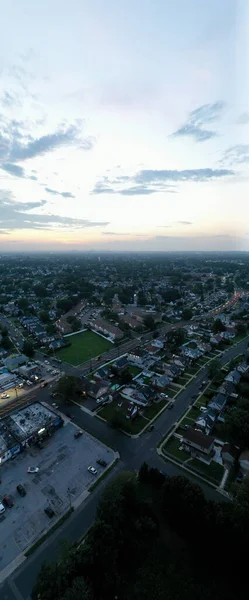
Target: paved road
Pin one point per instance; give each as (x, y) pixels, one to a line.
(132, 452)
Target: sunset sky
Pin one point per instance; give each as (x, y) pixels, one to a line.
(124, 125)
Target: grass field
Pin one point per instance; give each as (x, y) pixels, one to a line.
(84, 346)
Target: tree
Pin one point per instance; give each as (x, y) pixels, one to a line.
(22, 303)
(187, 314)
(183, 505)
(149, 323)
(218, 326)
(79, 590)
(6, 343)
(68, 386)
(4, 332)
(125, 377)
(28, 349)
(241, 328)
(40, 290)
(237, 425)
(214, 368)
(175, 338)
(44, 316)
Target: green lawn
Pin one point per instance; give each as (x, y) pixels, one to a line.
(135, 370)
(171, 393)
(154, 409)
(213, 472)
(131, 427)
(172, 447)
(84, 346)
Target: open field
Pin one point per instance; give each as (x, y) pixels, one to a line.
(84, 346)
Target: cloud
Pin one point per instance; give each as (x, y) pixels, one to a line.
(15, 170)
(243, 119)
(55, 193)
(114, 233)
(17, 143)
(150, 181)
(236, 155)
(17, 215)
(163, 226)
(10, 99)
(185, 222)
(196, 121)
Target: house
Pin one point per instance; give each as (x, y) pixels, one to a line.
(244, 462)
(160, 382)
(137, 356)
(218, 402)
(198, 444)
(105, 328)
(206, 421)
(101, 373)
(14, 361)
(134, 395)
(227, 388)
(181, 361)
(98, 389)
(192, 353)
(234, 376)
(172, 371)
(229, 453)
(243, 368)
(216, 339)
(121, 364)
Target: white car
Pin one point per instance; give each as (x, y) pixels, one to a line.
(32, 469)
(4, 396)
(2, 509)
(92, 470)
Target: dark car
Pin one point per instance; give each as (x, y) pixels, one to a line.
(8, 501)
(101, 462)
(151, 428)
(49, 512)
(170, 405)
(40, 445)
(21, 490)
(78, 434)
(54, 394)
(69, 416)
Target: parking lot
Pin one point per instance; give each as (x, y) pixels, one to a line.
(62, 478)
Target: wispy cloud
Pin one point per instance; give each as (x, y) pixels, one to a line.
(163, 226)
(185, 222)
(150, 181)
(56, 193)
(114, 233)
(19, 215)
(236, 155)
(10, 100)
(17, 143)
(198, 119)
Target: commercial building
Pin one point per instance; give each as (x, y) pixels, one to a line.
(24, 427)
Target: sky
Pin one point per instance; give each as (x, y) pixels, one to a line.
(124, 125)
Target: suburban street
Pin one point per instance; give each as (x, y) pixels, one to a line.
(132, 453)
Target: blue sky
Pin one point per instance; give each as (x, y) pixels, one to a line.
(124, 125)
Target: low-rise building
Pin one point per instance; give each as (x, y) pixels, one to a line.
(107, 329)
(198, 445)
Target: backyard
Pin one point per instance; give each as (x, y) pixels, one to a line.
(84, 346)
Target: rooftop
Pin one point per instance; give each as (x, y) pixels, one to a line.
(23, 423)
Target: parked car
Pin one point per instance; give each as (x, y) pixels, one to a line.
(21, 490)
(5, 396)
(8, 501)
(150, 428)
(53, 395)
(49, 512)
(2, 509)
(170, 405)
(69, 415)
(78, 434)
(101, 462)
(92, 470)
(32, 469)
(203, 409)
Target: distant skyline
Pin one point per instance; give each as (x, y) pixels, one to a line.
(124, 125)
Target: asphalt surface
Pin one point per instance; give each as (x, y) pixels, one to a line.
(132, 453)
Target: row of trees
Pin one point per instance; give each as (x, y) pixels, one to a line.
(155, 538)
